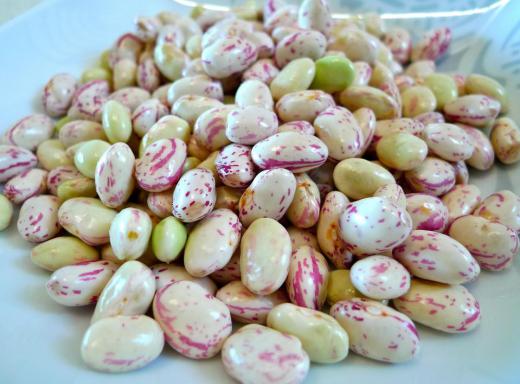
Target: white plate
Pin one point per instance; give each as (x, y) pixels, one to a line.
(39, 340)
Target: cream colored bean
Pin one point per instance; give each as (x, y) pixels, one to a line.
(88, 100)
(51, 154)
(168, 239)
(427, 212)
(168, 127)
(401, 151)
(227, 56)
(340, 287)
(30, 183)
(505, 138)
(87, 218)
(130, 233)
(59, 175)
(493, 244)
(304, 105)
(383, 106)
(304, 210)
(294, 77)
(38, 218)
(300, 237)
(399, 42)
(30, 131)
(234, 166)
(78, 131)
(367, 123)
(315, 14)
(146, 115)
(418, 100)
(393, 192)
(483, 85)
(446, 308)
(421, 69)
(264, 70)
(434, 176)
(311, 44)
(160, 203)
(170, 60)
(387, 127)
(483, 155)
(130, 291)
(377, 331)
(357, 45)
(130, 97)
(58, 93)
(448, 141)
(363, 73)
(165, 274)
(322, 337)
(254, 93)
(299, 126)
(195, 85)
(190, 107)
(249, 125)
(433, 46)
(265, 252)
(62, 251)
(193, 68)
(194, 195)
(461, 201)
(443, 87)
(124, 73)
(502, 207)
(210, 127)
(359, 178)
(475, 110)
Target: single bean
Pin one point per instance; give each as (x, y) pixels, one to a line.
(87, 156)
(401, 151)
(190, 107)
(129, 233)
(443, 87)
(294, 77)
(51, 154)
(27, 184)
(124, 73)
(234, 165)
(433, 46)
(38, 218)
(383, 106)
(502, 207)
(251, 124)
(483, 155)
(333, 74)
(311, 44)
(434, 176)
(194, 195)
(228, 56)
(418, 100)
(304, 105)
(475, 110)
(170, 60)
(117, 122)
(62, 251)
(427, 212)
(357, 45)
(77, 131)
(146, 115)
(304, 209)
(393, 192)
(168, 239)
(165, 274)
(254, 93)
(77, 187)
(58, 93)
(461, 201)
(88, 100)
(130, 97)
(30, 131)
(264, 70)
(195, 85)
(399, 42)
(505, 138)
(419, 70)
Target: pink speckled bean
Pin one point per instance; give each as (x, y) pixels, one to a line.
(446, 308)
(165, 274)
(290, 150)
(160, 203)
(263, 70)
(380, 277)
(315, 15)
(269, 195)
(475, 110)
(27, 184)
(161, 165)
(246, 306)
(400, 43)
(437, 257)
(212, 242)
(339, 130)
(483, 155)
(493, 244)
(304, 210)
(363, 73)
(146, 115)
(366, 120)
(300, 237)
(448, 141)
(170, 34)
(30, 131)
(228, 27)
(461, 172)
(195, 323)
(190, 107)
(80, 284)
(57, 94)
(210, 127)
(308, 278)
(88, 100)
(502, 207)
(230, 272)
(303, 105)
(235, 168)
(427, 212)
(433, 46)
(284, 16)
(265, 252)
(374, 225)
(430, 118)
(377, 331)
(148, 75)
(434, 176)
(195, 85)
(461, 201)
(300, 126)
(271, 6)
(311, 44)
(38, 218)
(254, 93)
(227, 56)
(60, 174)
(259, 355)
(147, 28)
(130, 97)
(387, 127)
(78, 131)
(194, 195)
(393, 192)
(249, 125)
(331, 244)
(114, 175)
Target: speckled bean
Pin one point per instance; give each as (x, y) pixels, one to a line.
(461, 172)
(195, 85)
(427, 212)
(130, 97)
(249, 125)
(210, 127)
(448, 141)
(146, 115)
(254, 93)
(78, 131)
(461, 201)
(38, 218)
(27, 184)
(367, 123)
(194, 195)
(30, 131)
(227, 56)
(417, 100)
(304, 210)
(387, 127)
(60, 174)
(129, 233)
(304, 105)
(483, 155)
(484, 85)
(502, 207)
(475, 110)
(190, 107)
(57, 94)
(434, 176)
(505, 138)
(235, 168)
(165, 274)
(433, 46)
(360, 96)
(393, 192)
(62, 251)
(311, 44)
(399, 42)
(264, 70)
(299, 126)
(88, 100)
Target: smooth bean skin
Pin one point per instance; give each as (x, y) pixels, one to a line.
(243, 351)
(264, 70)
(194, 195)
(117, 122)
(124, 73)
(437, 257)
(387, 226)
(170, 60)
(77, 131)
(168, 127)
(130, 97)
(448, 141)
(62, 251)
(228, 56)
(277, 152)
(129, 233)
(360, 96)
(269, 195)
(484, 85)
(333, 74)
(88, 100)
(87, 156)
(299, 126)
(265, 252)
(461, 201)
(300, 237)
(303, 105)
(190, 107)
(195, 85)
(502, 207)
(387, 127)
(363, 73)
(493, 244)
(401, 151)
(234, 165)
(30, 183)
(400, 43)
(357, 45)
(59, 175)
(304, 210)
(321, 336)
(87, 218)
(122, 343)
(443, 87)
(251, 124)
(505, 138)
(79, 284)
(427, 212)
(393, 192)
(433, 46)
(58, 93)
(315, 14)
(340, 287)
(38, 218)
(308, 278)
(311, 44)
(418, 100)
(210, 128)
(294, 77)
(483, 155)
(380, 277)
(446, 308)
(360, 178)
(367, 123)
(130, 291)
(165, 274)
(475, 110)
(183, 308)
(30, 131)
(377, 331)
(247, 307)
(228, 197)
(168, 239)
(6, 212)
(434, 176)
(430, 118)
(212, 242)
(230, 272)
(461, 172)
(114, 175)
(146, 115)
(255, 93)
(51, 154)
(79, 187)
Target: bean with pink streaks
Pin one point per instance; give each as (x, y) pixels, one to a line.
(146, 115)
(475, 110)
(235, 167)
(58, 93)
(88, 100)
(502, 207)
(304, 210)
(30, 131)
(165, 274)
(434, 176)
(461, 201)
(194, 195)
(27, 184)
(251, 124)
(427, 212)
(38, 218)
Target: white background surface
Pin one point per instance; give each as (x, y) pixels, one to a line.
(40, 340)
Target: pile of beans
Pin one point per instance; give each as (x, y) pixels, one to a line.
(262, 167)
